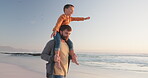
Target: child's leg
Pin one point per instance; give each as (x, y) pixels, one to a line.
(74, 57)
(70, 44)
(57, 39)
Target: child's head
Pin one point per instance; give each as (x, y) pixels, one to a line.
(68, 9)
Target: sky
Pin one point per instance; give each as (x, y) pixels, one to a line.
(115, 25)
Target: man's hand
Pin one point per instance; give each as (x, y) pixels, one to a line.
(74, 59)
(56, 58)
(57, 61)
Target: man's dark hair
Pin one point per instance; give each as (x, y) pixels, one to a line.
(65, 27)
(67, 6)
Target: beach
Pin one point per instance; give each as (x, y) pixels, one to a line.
(24, 66)
(14, 71)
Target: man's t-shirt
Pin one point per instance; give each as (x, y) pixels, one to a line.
(64, 53)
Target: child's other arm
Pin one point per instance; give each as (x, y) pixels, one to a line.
(53, 33)
(59, 23)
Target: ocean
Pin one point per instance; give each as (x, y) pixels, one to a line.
(125, 62)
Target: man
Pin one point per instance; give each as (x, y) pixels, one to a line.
(48, 54)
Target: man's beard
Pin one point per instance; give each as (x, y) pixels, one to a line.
(64, 38)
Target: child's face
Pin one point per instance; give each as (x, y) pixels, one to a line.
(69, 11)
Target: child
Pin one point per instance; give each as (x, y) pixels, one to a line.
(65, 19)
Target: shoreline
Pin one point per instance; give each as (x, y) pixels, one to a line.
(88, 72)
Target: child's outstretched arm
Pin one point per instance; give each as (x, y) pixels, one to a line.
(79, 18)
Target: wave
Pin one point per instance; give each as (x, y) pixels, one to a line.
(134, 62)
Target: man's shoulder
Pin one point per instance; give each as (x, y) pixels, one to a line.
(50, 43)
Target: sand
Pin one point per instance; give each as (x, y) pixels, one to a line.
(14, 71)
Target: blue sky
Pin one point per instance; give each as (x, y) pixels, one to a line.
(115, 25)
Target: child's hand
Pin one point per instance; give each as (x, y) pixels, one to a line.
(53, 34)
(87, 18)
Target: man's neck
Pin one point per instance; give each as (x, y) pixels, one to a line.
(62, 40)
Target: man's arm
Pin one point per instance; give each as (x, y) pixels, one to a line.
(47, 53)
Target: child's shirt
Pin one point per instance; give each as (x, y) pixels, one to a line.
(65, 20)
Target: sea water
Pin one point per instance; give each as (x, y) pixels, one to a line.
(126, 62)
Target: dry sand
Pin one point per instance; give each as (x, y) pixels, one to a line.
(14, 71)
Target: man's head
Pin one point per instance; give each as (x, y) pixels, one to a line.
(65, 31)
(68, 9)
